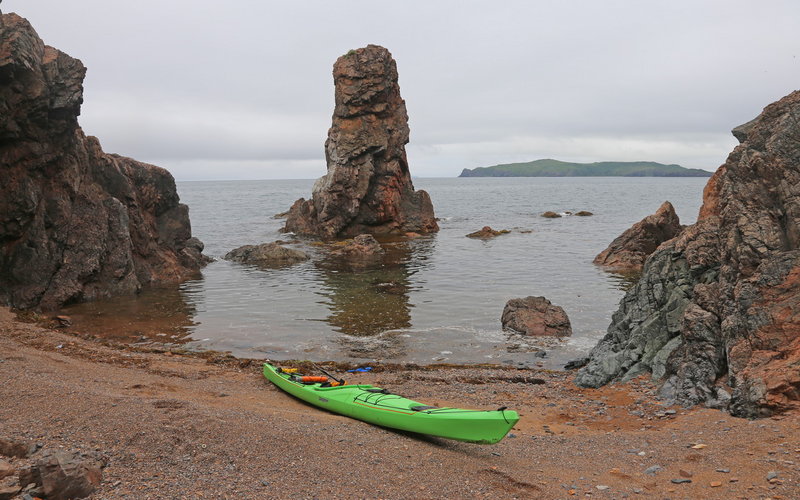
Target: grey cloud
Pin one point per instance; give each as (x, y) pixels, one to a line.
(248, 81)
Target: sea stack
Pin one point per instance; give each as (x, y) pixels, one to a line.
(716, 314)
(368, 186)
(75, 223)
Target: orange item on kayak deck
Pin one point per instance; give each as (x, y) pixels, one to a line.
(310, 380)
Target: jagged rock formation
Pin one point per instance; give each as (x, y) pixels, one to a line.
(630, 249)
(75, 223)
(716, 314)
(535, 316)
(368, 187)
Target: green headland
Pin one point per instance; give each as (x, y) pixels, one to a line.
(555, 168)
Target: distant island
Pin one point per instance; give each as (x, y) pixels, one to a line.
(555, 168)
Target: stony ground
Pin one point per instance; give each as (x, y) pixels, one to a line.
(178, 426)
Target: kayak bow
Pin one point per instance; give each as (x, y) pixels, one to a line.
(380, 407)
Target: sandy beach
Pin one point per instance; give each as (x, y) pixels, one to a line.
(209, 426)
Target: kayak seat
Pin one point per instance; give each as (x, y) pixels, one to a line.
(423, 408)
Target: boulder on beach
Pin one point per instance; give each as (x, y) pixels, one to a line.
(63, 474)
(76, 223)
(266, 255)
(535, 316)
(715, 317)
(16, 449)
(487, 232)
(630, 249)
(368, 186)
(6, 469)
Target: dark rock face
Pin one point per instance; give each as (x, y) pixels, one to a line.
(630, 249)
(266, 255)
(536, 316)
(368, 186)
(716, 314)
(75, 223)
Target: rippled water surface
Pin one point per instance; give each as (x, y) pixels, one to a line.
(434, 299)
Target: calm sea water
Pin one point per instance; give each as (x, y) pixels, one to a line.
(435, 299)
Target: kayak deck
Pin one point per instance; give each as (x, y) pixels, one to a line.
(379, 406)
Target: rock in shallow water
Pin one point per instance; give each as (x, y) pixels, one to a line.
(266, 255)
(536, 316)
(363, 246)
(551, 215)
(368, 186)
(487, 232)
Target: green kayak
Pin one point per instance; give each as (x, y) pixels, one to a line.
(380, 407)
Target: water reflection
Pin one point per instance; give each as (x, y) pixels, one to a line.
(159, 314)
(369, 300)
(368, 297)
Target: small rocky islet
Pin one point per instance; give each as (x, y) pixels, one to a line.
(712, 322)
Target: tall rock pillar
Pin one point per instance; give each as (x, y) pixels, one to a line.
(368, 186)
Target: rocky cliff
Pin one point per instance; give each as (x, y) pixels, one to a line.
(716, 314)
(368, 186)
(75, 223)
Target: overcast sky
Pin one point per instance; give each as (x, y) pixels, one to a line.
(243, 89)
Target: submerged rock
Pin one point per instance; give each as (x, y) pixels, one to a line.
(368, 186)
(584, 213)
(266, 255)
(362, 246)
(551, 215)
(716, 313)
(487, 232)
(630, 249)
(76, 223)
(536, 316)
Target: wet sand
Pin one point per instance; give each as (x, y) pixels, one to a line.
(189, 426)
